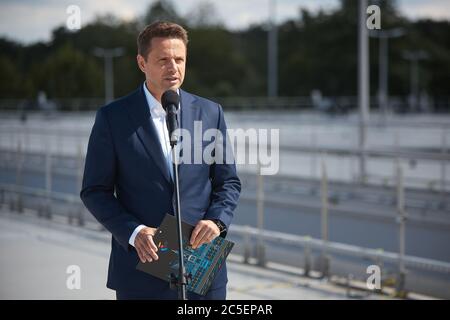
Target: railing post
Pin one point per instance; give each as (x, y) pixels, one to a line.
(348, 290)
(307, 257)
(12, 143)
(325, 263)
(80, 167)
(260, 249)
(59, 137)
(19, 178)
(247, 249)
(48, 183)
(401, 219)
(443, 163)
(2, 196)
(396, 159)
(27, 136)
(379, 263)
(313, 142)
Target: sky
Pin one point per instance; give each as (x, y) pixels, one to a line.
(28, 21)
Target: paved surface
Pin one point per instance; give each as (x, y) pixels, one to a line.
(36, 253)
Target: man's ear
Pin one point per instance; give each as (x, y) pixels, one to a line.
(141, 62)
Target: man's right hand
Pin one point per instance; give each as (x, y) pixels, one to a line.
(145, 246)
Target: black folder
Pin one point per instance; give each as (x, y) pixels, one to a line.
(201, 264)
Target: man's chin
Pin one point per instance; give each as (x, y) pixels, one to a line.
(174, 87)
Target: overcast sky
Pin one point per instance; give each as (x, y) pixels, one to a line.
(33, 20)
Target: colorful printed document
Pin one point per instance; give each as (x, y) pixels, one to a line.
(201, 264)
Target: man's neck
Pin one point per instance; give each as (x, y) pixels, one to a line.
(157, 95)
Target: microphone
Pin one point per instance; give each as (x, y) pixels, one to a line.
(170, 101)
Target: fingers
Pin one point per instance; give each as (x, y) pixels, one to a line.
(143, 256)
(201, 236)
(153, 248)
(145, 246)
(204, 232)
(150, 244)
(195, 232)
(207, 237)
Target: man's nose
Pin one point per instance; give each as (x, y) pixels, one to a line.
(172, 65)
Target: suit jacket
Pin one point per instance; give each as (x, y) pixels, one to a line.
(127, 183)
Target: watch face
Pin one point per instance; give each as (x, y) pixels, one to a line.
(220, 225)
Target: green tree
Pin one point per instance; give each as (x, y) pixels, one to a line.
(68, 73)
(162, 10)
(10, 84)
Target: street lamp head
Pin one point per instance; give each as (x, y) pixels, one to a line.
(99, 52)
(118, 51)
(415, 55)
(390, 33)
(103, 52)
(396, 32)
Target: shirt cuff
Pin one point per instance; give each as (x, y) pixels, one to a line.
(134, 234)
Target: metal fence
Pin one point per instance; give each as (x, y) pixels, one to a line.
(49, 203)
(330, 104)
(65, 141)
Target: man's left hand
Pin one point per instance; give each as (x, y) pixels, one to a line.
(204, 232)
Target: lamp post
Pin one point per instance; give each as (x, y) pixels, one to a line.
(414, 56)
(108, 55)
(383, 69)
(363, 86)
(272, 52)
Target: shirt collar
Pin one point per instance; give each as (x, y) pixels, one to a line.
(156, 108)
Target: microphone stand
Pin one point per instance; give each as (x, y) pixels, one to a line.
(179, 281)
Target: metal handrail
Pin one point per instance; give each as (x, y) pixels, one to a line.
(38, 192)
(339, 248)
(275, 236)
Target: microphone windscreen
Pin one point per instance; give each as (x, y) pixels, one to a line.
(168, 98)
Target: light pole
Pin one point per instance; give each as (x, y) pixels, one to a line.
(363, 86)
(108, 55)
(383, 69)
(272, 52)
(414, 56)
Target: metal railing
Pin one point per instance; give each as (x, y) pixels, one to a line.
(308, 243)
(47, 198)
(334, 104)
(254, 239)
(439, 155)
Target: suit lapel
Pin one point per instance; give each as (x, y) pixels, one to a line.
(146, 131)
(189, 113)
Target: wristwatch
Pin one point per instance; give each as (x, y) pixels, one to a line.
(222, 227)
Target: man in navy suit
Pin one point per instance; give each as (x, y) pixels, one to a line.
(128, 179)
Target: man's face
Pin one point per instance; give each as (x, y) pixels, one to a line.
(165, 65)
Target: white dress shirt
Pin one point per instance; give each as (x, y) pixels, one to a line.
(159, 120)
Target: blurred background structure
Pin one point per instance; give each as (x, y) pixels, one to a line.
(364, 120)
